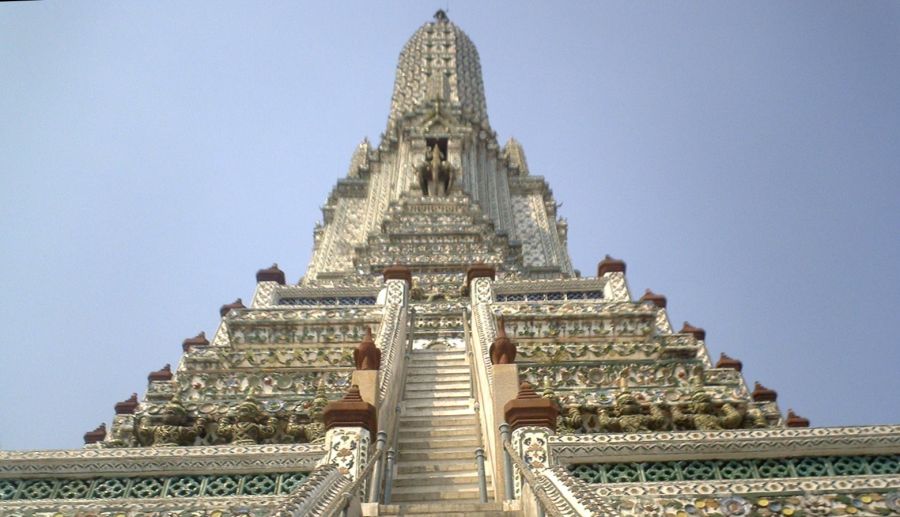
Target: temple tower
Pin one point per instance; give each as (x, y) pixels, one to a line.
(440, 356)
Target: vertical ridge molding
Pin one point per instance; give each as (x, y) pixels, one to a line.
(392, 336)
(484, 329)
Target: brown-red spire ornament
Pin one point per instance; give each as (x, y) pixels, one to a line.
(729, 362)
(763, 394)
(698, 333)
(198, 340)
(163, 374)
(795, 420)
(503, 350)
(654, 298)
(97, 435)
(351, 411)
(367, 356)
(530, 409)
(610, 265)
(127, 406)
(225, 309)
(270, 274)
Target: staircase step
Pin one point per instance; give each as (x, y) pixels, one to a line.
(414, 370)
(433, 412)
(438, 356)
(449, 512)
(424, 363)
(432, 402)
(430, 378)
(434, 493)
(450, 453)
(443, 509)
(420, 467)
(439, 478)
(437, 386)
(425, 421)
(435, 432)
(442, 442)
(438, 394)
(439, 353)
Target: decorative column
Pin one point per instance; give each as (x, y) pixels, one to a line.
(350, 424)
(532, 420)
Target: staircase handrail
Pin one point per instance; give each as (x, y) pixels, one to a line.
(391, 442)
(479, 386)
(543, 499)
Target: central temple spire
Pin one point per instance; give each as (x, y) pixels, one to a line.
(438, 193)
(439, 63)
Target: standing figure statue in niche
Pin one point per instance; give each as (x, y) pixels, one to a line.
(435, 173)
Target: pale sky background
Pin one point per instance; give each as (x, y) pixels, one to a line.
(742, 157)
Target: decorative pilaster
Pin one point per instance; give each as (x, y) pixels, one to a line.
(532, 444)
(532, 419)
(613, 271)
(349, 422)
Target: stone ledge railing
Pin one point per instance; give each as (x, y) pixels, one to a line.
(534, 484)
(863, 495)
(94, 481)
(312, 498)
(221, 459)
(753, 443)
(348, 493)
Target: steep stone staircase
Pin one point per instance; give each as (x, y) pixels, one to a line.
(438, 434)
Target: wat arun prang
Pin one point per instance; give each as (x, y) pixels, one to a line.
(440, 350)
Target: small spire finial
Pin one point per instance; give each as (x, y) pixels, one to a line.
(441, 16)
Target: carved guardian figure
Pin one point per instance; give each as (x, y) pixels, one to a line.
(246, 424)
(309, 428)
(171, 428)
(703, 415)
(630, 416)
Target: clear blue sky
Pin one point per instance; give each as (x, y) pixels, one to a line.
(743, 158)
